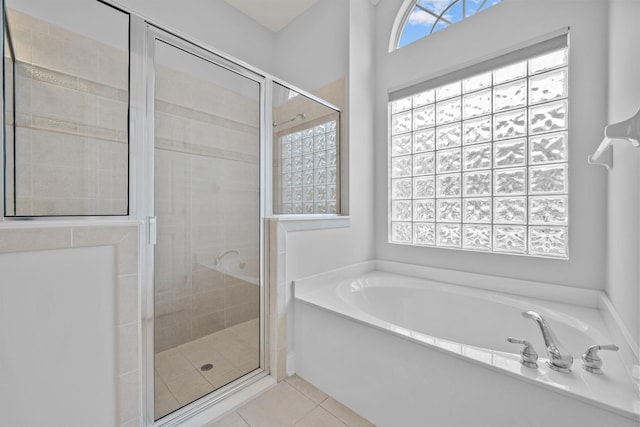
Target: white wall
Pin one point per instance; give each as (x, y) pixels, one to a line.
(623, 275)
(484, 35)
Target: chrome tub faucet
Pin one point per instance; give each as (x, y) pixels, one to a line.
(559, 358)
(221, 255)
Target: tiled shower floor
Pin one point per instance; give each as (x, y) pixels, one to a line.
(178, 376)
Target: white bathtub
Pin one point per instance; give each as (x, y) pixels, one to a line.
(407, 352)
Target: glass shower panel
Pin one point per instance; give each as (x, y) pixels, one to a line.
(207, 204)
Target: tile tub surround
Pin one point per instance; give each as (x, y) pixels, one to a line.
(124, 237)
(293, 402)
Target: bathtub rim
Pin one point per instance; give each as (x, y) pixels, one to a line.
(305, 290)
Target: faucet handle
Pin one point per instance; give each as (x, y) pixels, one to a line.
(529, 356)
(591, 362)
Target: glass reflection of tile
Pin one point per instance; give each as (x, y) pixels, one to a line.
(331, 140)
(424, 164)
(424, 234)
(509, 181)
(449, 210)
(551, 210)
(548, 117)
(551, 241)
(510, 72)
(477, 237)
(401, 123)
(448, 161)
(476, 104)
(448, 185)
(548, 148)
(401, 167)
(477, 130)
(510, 124)
(424, 187)
(509, 96)
(477, 210)
(548, 179)
(509, 238)
(320, 142)
(424, 117)
(448, 90)
(401, 105)
(424, 140)
(401, 188)
(401, 210)
(321, 176)
(424, 210)
(449, 235)
(307, 146)
(448, 136)
(401, 145)
(477, 184)
(477, 156)
(548, 61)
(510, 153)
(548, 86)
(476, 82)
(423, 98)
(510, 210)
(449, 111)
(401, 232)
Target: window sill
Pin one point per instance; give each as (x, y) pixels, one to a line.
(312, 222)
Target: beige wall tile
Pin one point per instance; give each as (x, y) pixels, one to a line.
(319, 417)
(128, 299)
(128, 397)
(34, 239)
(345, 414)
(124, 237)
(307, 389)
(231, 420)
(279, 406)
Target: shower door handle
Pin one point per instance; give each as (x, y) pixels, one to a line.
(152, 229)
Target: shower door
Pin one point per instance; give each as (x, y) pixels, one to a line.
(207, 207)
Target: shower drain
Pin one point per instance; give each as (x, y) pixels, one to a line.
(206, 367)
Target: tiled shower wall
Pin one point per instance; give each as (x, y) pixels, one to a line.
(71, 116)
(207, 202)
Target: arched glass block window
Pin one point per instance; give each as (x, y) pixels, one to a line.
(424, 17)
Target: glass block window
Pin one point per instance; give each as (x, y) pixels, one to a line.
(481, 163)
(424, 17)
(309, 170)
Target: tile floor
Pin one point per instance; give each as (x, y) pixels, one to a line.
(293, 402)
(179, 379)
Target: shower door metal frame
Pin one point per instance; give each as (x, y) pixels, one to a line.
(144, 36)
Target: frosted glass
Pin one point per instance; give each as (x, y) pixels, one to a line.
(424, 140)
(331, 126)
(320, 159)
(448, 161)
(296, 164)
(424, 187)
(510, 96)
(296, 136)
(286, 165)
(448, 185)
(548, 179)
(548, 148)
(477, 210)
(548, 61)
(510, 124)
(307, 208)
(424, 164)
(401, 145)
(400, 167)
(476, 82)
(510, 72)
(477, 237)
(424, 234)
(510, 210)
(401, 105)
(548, 86)
(307, 162)
(401, 123)
(548, 210)
(297, 195)
(401, 188)
(307, 146)
(401, 232)
(307, 194)
(509, 238)
(319, 130)
(424, 98)
(477, 131)
(477, 157)
(331, 139)
(287, 196)
(307, 133)
(477, 184)
(424, 117)
(286, 149)
(320, 142)
(448, 91)
(401, 210)
(449, 210)
(449, 111)
(424, 210)
(509, 181)
(308, 177)
(551, 241)
(296, 148)
(286, 180)
(449, 235)
(477, 104)
(320, 193)
(331, 158)
(510, 153)
(296, 179)
(548, 117)
(448, 136)
(321, 207)
(331, 175)
(321, 177)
